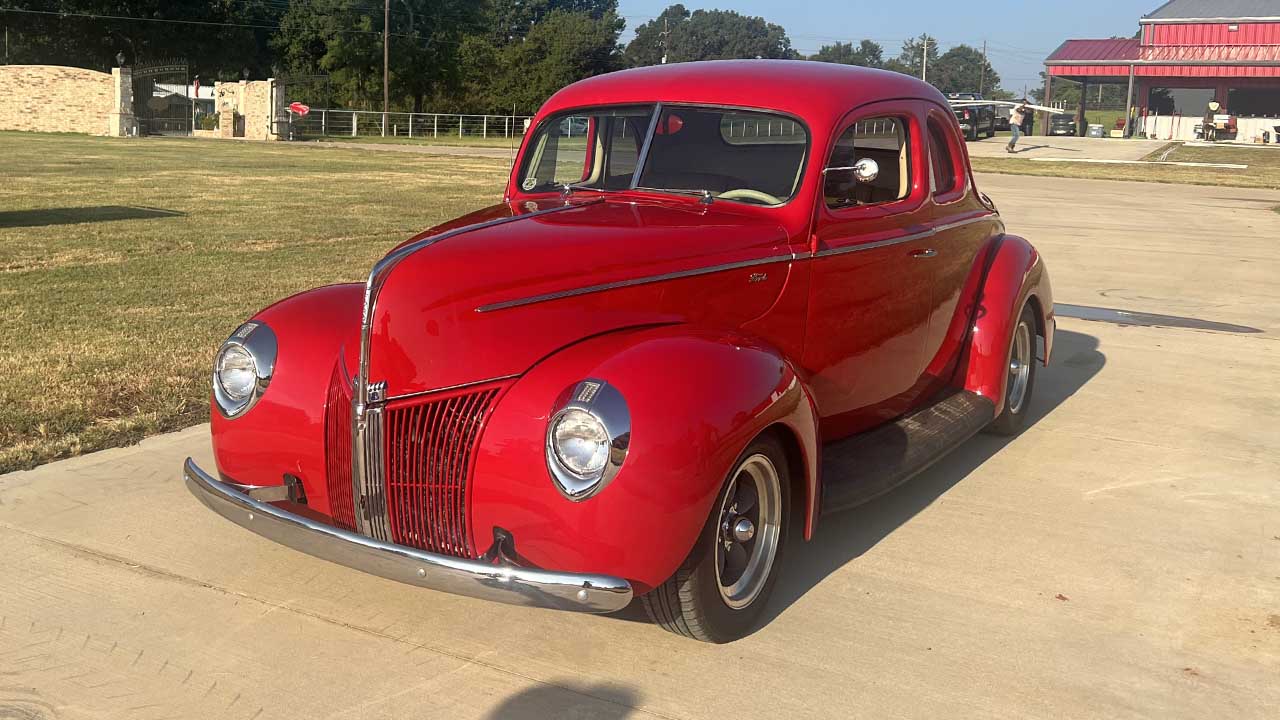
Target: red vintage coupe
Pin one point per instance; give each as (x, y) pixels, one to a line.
(718, 301)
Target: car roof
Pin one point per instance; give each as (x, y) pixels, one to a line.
(813, 91)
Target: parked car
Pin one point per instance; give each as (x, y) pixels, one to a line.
(1063, 125)
(976, 121)
(752, 294)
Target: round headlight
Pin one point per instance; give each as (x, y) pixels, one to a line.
(236, 372)
(581, 442)
(587, 439)
(243, 368)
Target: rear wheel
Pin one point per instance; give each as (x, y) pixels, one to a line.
(1021, 378)
(719, 591)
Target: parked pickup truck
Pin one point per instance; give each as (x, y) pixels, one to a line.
(715, 304)
(975, 120)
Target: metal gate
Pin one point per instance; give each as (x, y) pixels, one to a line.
(162, 97)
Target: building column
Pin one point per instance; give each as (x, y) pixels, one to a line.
(1081, 125)
(1128, 107)
(1048, 99)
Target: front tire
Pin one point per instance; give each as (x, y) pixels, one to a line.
(1021, 380)
(721, 588)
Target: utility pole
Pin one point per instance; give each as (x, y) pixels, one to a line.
(666, 32)
(982, 84)
(386, 64)
(924, 60)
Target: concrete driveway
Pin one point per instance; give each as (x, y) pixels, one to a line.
(1074, 148)
(1119, 559)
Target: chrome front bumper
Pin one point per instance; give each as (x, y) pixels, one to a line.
(500, 582)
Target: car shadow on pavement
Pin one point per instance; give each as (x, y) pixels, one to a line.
(844, 537)
(44, 217)
(607, 701)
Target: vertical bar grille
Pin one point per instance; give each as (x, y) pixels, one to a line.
(430, 450)
(337, 430)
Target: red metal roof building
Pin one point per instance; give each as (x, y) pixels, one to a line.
(1187, 53)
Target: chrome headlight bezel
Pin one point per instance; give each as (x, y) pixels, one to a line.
(259, 341)
(606, 406)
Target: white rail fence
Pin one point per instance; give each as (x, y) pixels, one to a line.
(321, 122)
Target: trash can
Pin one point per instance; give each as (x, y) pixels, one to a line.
(1095, 131)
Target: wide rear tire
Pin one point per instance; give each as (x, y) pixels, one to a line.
(721, 588)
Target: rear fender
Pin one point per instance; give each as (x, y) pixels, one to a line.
(696, 399)
(1016, 275)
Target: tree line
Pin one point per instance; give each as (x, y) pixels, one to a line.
(475, 56)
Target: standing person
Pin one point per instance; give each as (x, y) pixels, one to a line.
(1016, 118)
(1210, 127)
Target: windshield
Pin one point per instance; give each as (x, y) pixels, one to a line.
(736, 155)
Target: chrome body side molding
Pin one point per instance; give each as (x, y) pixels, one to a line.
(633, 282)
(904, 238)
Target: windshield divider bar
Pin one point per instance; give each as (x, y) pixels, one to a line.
(644, 150)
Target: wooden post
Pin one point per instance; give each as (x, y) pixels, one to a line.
(435, 126)
(324, 123)
(484, 129)
(355, 121)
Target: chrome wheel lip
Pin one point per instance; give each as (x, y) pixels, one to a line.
(1019, 368)
(759, 470)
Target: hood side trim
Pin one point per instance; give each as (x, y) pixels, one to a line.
(547, 297)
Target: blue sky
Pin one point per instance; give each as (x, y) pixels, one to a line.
(1020, 33)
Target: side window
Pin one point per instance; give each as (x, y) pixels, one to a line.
(562, 157)
(882, 139)
(940, 158)
(624, 150)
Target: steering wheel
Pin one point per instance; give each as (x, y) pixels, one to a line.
(749, 194)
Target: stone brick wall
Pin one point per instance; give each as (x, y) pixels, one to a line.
(244, 109)
(50, 98)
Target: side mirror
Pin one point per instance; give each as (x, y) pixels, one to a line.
(864, 171)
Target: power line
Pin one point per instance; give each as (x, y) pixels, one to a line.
(173, 21)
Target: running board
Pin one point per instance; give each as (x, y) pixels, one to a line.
(868, 465)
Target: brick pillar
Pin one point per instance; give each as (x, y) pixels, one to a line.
(121, 121)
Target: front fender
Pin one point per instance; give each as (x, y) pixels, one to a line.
(1016, 275)
(696, 397)
(284, 432)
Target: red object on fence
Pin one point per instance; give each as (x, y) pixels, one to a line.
(299, 109)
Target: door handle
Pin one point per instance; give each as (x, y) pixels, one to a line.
(926, 253)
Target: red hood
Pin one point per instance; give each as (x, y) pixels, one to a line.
(429, 331)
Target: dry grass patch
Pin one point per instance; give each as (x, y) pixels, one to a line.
(123, 264)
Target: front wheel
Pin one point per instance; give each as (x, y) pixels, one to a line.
(719, 591)
(1021, 379)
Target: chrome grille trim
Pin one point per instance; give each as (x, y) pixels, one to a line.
(368, 467)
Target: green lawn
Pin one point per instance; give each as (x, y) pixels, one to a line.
(124, 263)
(1263, 171)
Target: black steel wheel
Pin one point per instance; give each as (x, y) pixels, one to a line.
(719, 591)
